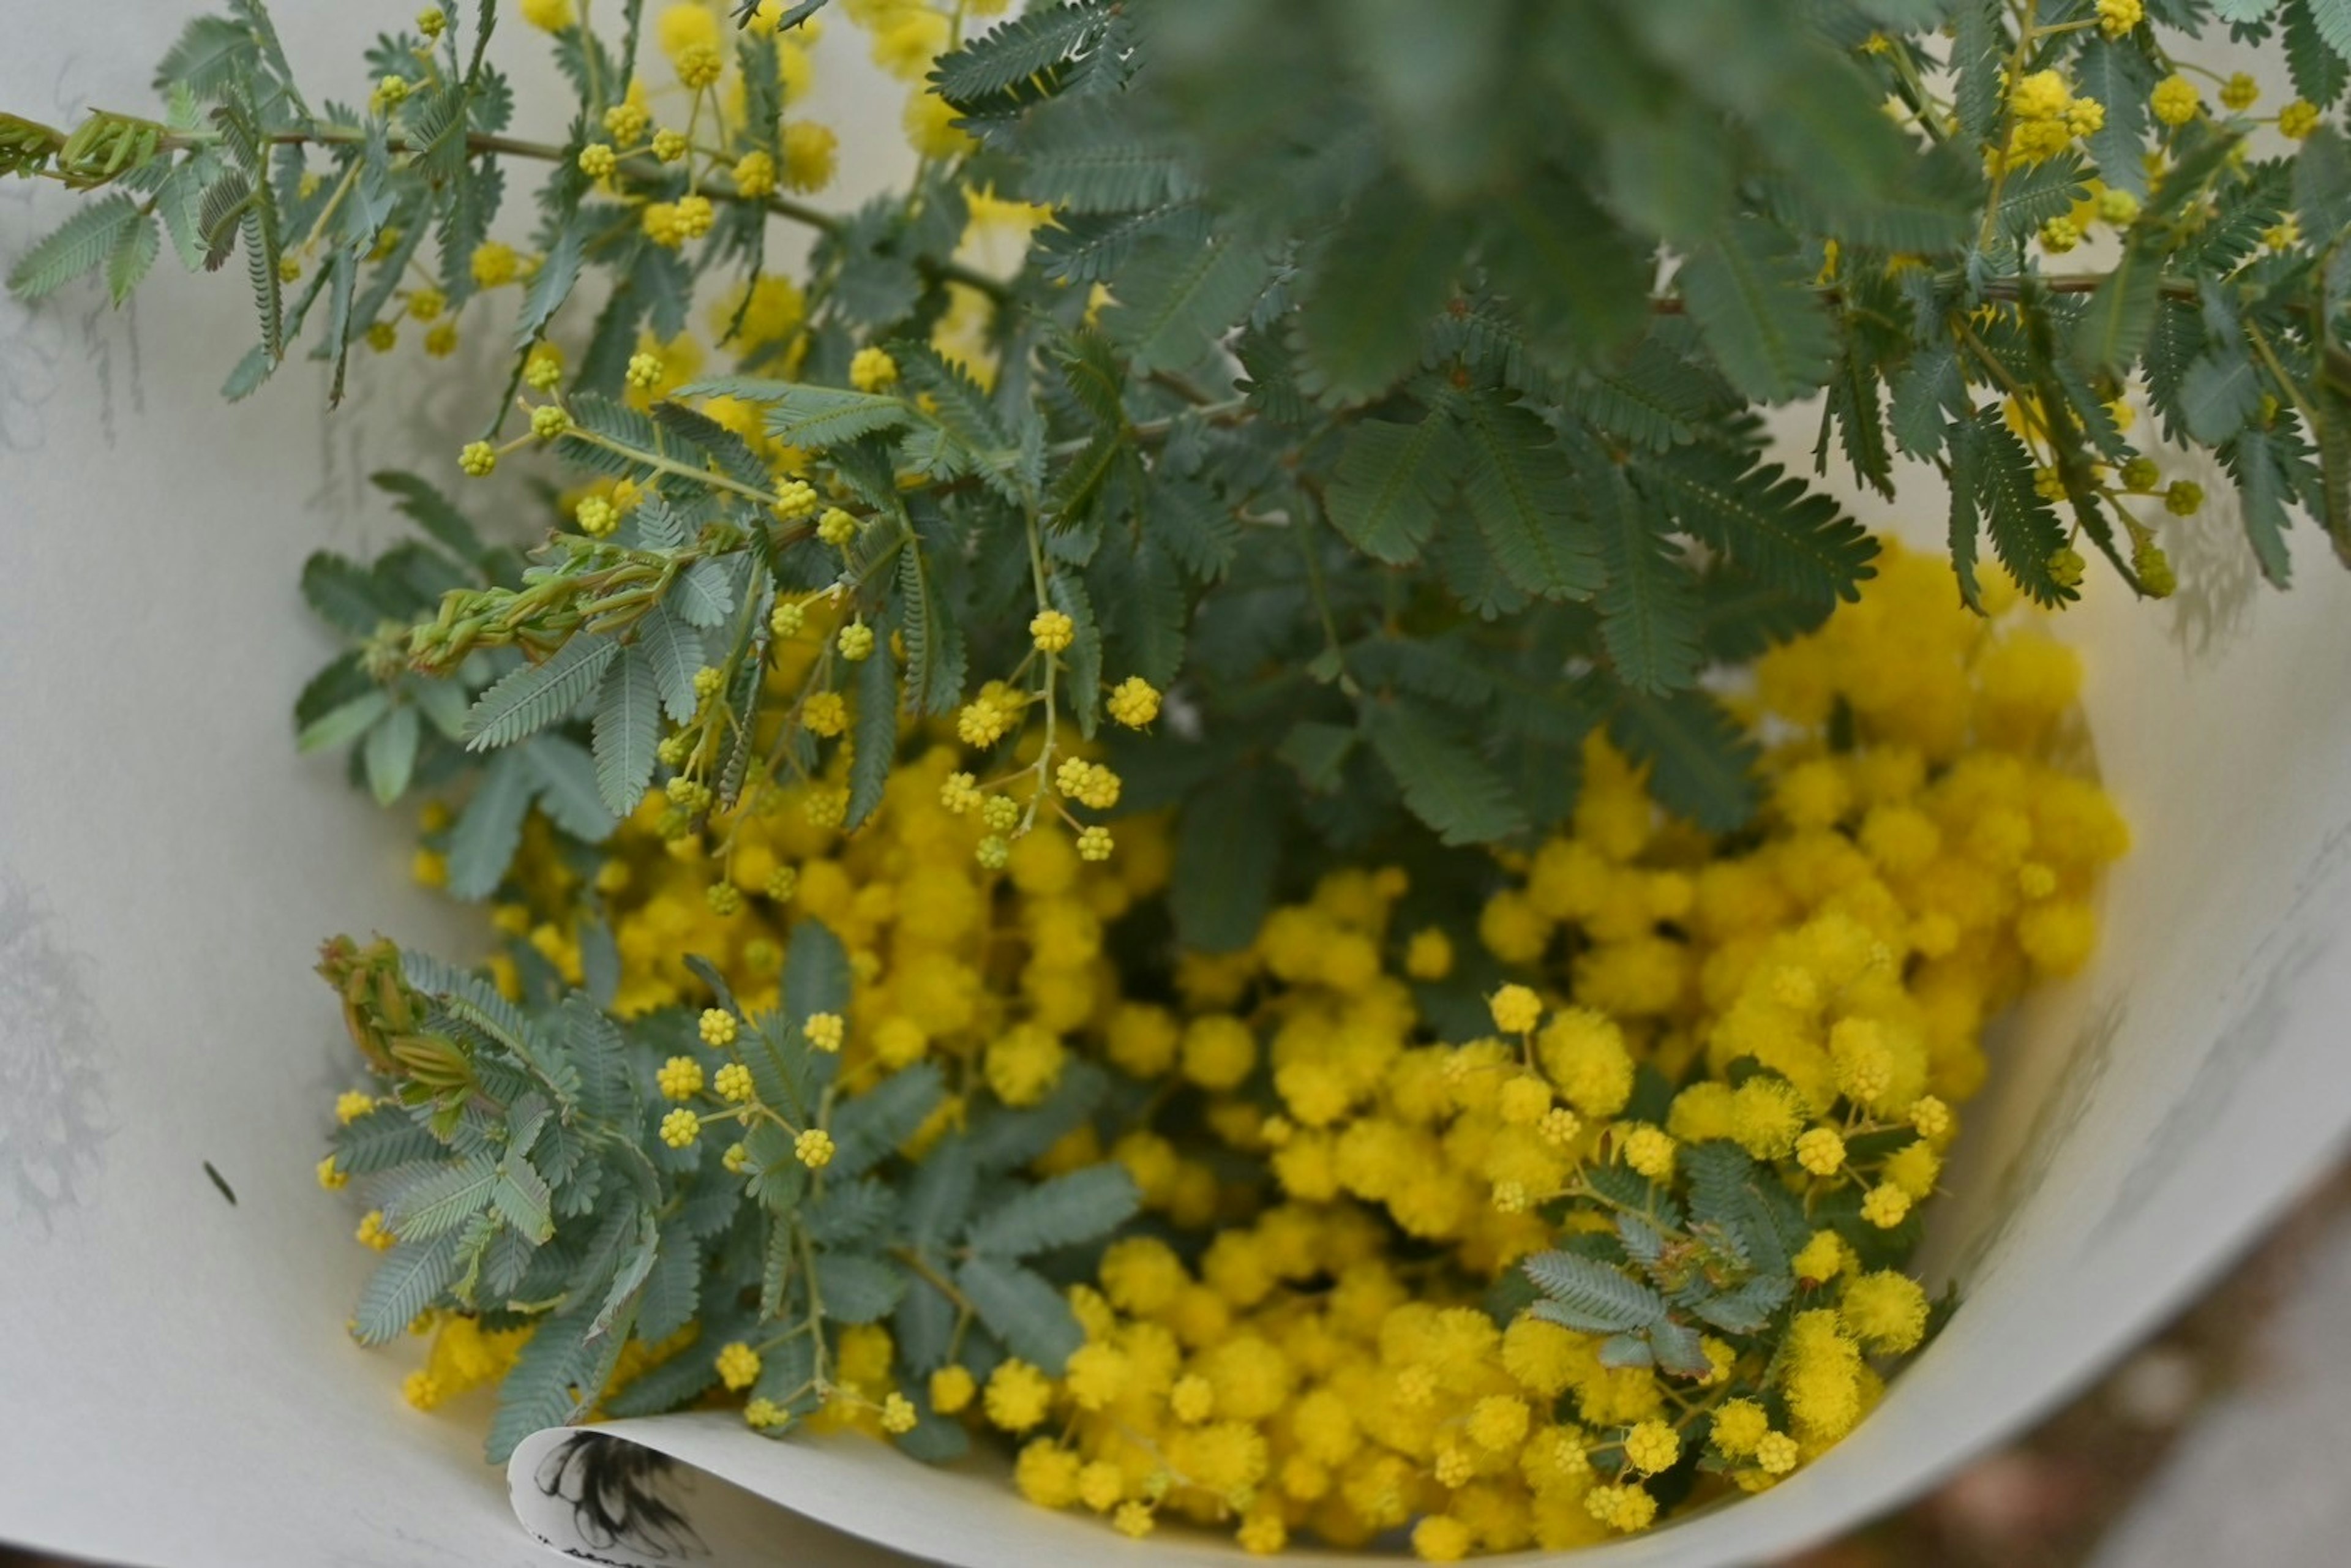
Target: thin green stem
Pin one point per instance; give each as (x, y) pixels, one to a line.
(670, 465)
(480, 143)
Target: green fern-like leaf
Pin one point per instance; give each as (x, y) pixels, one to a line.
(1648, 607)
(1445, 782)
(78, 247)
(1175, 300)
(812, 418)
(1388, 266)
(627, 730)
(1769, 523)
(858, 1287)
(1082, 155)
(1082, 1206)
(1019, 1308)
(1701, 757)
(212, 53)
(1520, 494)
(528, 699)
(2024, 528)
(554, 1380)
(1760, 314)
(1014, 51)
(2319, 73)
(1590, 1296)
(868, 1127)
(410, 1278)
(1390, 482)
(438, 1203)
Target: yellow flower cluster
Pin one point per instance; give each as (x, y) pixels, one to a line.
(1293, 1376)
(2046, 117)
(1813, 992)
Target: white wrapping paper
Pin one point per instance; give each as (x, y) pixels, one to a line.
(176, 1386)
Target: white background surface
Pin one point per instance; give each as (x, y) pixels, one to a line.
(174, 1383)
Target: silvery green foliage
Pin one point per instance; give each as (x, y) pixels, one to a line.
(520, 1174)
(1418, 440)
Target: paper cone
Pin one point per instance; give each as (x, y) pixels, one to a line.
(175, 1383)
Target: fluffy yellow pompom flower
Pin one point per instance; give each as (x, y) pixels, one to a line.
(680, 1078)
(1822, 1373)
(951, 1389)
(1585, 1054)
(717, 1027)
(1096, 1375)
(898, 1416)
(1652, 1446)
(1051, 630)
(1428, 955)
(1885, 1310)
(825, 713)
(1932, 1118)
(700, 67)
(811, 155)
(1649, 1150)
(1913, 1168)
(659, 221)
(1523, 1100)
(755, 174)
(1193, 1398)
(738, 1365)
(872, 370)
(1498, 1422)
(1100, 1485)
(1046, 1474)
(824, 1031)
(1543, 1357)
(1141, 1274)
(352, 1104)
(2176, 100)
(627, 123)
(1440, 1538)
(1023, 1064)
(1623, 1508)
(550, 16)
(931, 129)
(1767, 1115)
(493, 263)
(1819, 1258)
(1885, 1205)
(680, 1128)
(687, 25)
(1739, 1425)
(1018, 1395)
(1133, 702)
(2042, 95)
(1218, 1051)
(1516, 1008)
(1821, 1151)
